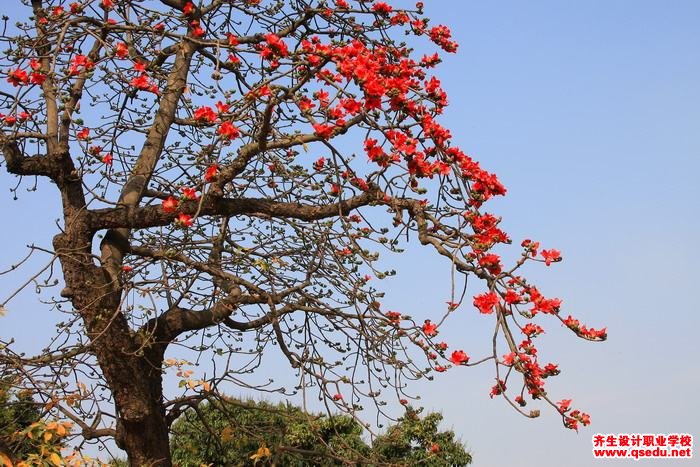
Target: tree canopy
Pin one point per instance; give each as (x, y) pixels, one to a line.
(232, 432)
(234, 178)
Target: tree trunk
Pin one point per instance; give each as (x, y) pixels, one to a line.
(145, 441)
(131, 365)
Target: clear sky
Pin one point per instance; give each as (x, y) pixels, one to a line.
(589, 112)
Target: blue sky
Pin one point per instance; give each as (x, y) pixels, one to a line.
(590, 114)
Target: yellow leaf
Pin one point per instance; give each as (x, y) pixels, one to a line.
(47, 436)
(6, 462)
(226, 434)
(56, 459)
(262, 453)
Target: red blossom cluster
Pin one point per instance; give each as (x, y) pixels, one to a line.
(142, 81)
(583, 331)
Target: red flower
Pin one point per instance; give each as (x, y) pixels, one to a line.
(435, 448)
(170, 204)
(394, 317)
(121, 50)
(491, 262)
(546, 305)
(485, 302)
(205, 114)
(142, 82)
(127, 268)
(351, 106)
(184, 220)
(498, 388)
(78, 63)
(262, 91)
(360, 183)
(458, 357)
(189, 193)
(231, 39)
(564, 405)
(319, 164)
(512, 297)
(585, 419)
(107, 4)
(211, 172)
(335, 189)
(530, 246)
(107, 158)
(572, 323)
(508, 359)
(382, 8)
(429, 328)
(550, 256)
(597, 333)
(305, 104)
(197, 30)
(17, 77)
(550, 369)
(223, 108)
(228, 130)
(83, 134)
(322, 97)
(441, 35)
(275, 46)
(323, 130)
(9, 119)
(37, 78)
(532, 330)
(344, 252)
(188, 9)
(337, 397)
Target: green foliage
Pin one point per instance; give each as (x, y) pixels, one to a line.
(18, 411)
(234, 433)
(415, 440)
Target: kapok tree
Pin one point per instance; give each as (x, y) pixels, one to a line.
(229, 171)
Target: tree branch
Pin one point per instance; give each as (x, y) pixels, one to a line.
(19, 164)
(153, 216)
(115, 244)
